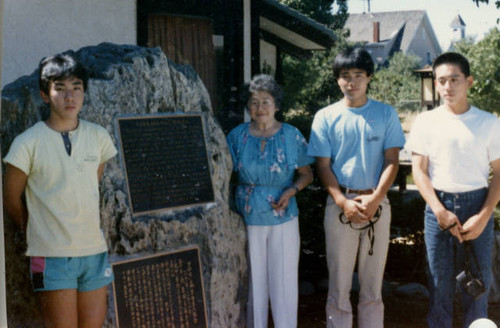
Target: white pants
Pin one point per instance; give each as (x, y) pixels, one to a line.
(343, 245)
(274, 260)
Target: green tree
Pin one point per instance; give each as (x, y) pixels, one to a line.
(309, 84)
(497, 2)
(397, 84)
(321, 11)
(484, 59)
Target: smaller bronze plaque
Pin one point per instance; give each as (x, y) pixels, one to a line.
(163, 290)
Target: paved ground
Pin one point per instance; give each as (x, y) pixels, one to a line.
(399, 312)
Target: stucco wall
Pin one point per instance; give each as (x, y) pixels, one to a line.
(34, 29)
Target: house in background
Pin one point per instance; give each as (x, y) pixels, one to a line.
(458, 26)
(226, 41)
(385, 33)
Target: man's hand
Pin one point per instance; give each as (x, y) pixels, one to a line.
(447, 219)
(371, 204)
(474, 226)
(354, 211)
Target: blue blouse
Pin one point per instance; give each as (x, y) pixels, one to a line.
(264, 175)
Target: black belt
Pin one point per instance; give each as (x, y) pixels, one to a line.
(356, 191)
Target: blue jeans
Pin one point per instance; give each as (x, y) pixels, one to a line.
(446, 257)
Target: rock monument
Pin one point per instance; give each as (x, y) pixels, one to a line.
(132, 80)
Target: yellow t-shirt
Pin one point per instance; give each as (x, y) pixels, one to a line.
(62, 191)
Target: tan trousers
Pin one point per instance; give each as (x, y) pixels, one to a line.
(343, 246)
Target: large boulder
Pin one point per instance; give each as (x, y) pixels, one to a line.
(128, 79)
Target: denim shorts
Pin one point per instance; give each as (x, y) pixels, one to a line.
(84, 273)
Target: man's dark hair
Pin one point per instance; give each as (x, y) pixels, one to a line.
(353, 58)
(60, 67)
(263, 82)
(452, 58)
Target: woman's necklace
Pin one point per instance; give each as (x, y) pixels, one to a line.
(263, 143)
(264, 133)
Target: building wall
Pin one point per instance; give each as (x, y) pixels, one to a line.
(422, 44)
(268, 60)
(34, 29)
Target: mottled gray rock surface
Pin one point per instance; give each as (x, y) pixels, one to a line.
(135, 80)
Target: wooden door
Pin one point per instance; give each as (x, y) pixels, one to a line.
(186, 41)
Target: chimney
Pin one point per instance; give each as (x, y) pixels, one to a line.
(376, 32)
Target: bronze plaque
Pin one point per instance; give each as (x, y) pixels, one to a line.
(165, 161)
(163, 290)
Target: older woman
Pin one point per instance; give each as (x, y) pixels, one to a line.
(272, 165)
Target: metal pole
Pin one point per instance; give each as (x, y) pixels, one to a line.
(3, 293)
(247, 45)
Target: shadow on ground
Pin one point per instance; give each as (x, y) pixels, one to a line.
(399, 312)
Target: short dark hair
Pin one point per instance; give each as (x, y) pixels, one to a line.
(452, 58)
(353, 58)
(263, 82)
(59, 67)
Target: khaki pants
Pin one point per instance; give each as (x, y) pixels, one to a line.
(343, 245)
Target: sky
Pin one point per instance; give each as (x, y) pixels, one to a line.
(478, 20)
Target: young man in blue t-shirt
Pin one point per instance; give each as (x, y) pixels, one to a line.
(52, 193)
(356, 142)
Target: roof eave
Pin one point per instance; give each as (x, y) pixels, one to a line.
(296, 22)
(285, 45)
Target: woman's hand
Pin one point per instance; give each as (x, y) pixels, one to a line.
(304, 178)
(284, 199)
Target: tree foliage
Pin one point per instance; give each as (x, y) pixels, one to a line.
(310, 85)
(497, 2)
(484, 59)
(321, 11)
(397, 84)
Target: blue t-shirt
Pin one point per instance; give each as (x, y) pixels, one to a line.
(263, 176)
(355, 140)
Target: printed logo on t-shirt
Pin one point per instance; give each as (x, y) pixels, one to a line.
(373, 131)
(90, 158)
